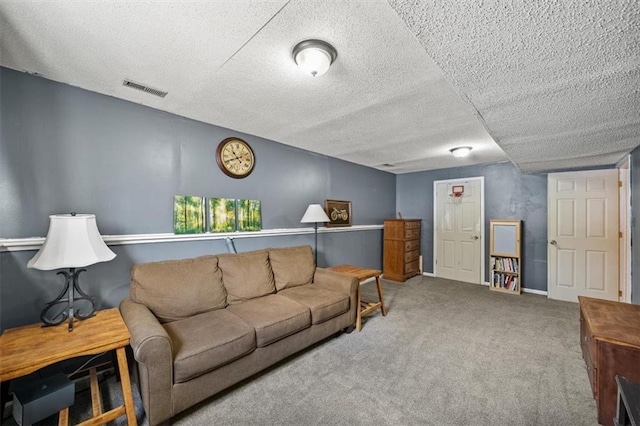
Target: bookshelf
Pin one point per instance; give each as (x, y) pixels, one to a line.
(506, 263)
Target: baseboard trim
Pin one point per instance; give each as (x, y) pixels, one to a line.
(34, 243)
(534, 291)
(525, 290)
(429, 274)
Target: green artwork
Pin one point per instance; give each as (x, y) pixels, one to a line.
(188, 215)
(249, 215)
(222, 214)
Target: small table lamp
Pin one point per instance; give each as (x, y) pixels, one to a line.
(314, 214)
(73, 241)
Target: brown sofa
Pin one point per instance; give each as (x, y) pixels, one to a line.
(203, 324)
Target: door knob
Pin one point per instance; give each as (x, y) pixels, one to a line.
(553, 243)
(475, 237)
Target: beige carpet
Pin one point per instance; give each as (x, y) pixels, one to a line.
(447, 353)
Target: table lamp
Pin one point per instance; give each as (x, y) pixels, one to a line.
(314, 214)
(73, 241)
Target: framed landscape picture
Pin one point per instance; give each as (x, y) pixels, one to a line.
(249, 215)
(339, 212)
(222, 214)
(188, 215)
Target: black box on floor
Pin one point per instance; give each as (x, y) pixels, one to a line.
(39, 399)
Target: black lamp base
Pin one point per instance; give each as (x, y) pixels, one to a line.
(68, 313)
(315, 251)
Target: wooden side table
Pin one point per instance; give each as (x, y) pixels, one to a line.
(363, 274)
(24, 350)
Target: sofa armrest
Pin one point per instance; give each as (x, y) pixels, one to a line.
(342, 283)
(153, 353)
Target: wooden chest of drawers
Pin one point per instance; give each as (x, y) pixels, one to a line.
(610, 342)
(401, 249)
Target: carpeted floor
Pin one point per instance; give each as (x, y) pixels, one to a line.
(447, 353)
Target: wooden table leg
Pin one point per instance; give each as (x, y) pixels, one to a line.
(126, 387)
(96, 403)
(359, 311)
(379, 285)
(63, 417)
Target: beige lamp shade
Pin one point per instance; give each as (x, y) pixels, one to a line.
(314, 214)
(73, 241)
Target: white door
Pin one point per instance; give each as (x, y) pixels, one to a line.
(459, 231)
(583, 235)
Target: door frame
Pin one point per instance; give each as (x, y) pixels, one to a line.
(624, 256)
(482, 227)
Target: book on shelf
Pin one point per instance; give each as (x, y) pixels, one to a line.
(507, 282)
(505, 264)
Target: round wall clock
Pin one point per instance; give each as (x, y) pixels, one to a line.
(235, 158)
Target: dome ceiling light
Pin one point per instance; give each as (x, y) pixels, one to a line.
(461, 151)
(314, 56)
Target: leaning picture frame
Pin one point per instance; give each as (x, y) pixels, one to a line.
(339, 212)
(249, 215)
(222, 215)
(189, 215)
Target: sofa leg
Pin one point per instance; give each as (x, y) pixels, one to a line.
(349, 329)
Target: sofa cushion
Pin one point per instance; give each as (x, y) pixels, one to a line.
(292, 266)
(324, 304)
(207, 341)
(273, 317)
(175, 289)
(246, 275)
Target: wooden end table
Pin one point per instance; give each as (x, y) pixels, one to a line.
(24, 350)
(363, 274)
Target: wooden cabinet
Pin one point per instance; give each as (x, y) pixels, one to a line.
(401, 249)
(610, 342)
(506, 271)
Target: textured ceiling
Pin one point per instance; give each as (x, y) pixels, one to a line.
(555, 84)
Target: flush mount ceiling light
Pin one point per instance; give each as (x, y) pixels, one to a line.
(314, 56)
(461, 151)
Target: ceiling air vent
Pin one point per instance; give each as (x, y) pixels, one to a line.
(387, 165)
(144, 88)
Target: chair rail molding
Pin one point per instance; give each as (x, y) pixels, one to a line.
(34, 243)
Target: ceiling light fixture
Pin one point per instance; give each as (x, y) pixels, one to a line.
(460, 151)
(314, 56)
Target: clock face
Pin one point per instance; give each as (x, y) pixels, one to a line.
(235, 158)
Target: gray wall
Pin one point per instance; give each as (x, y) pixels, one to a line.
(509, 194)
(65, 149)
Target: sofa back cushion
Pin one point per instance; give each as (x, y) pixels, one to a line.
(292, 266)
(246, 275)
(176, 289)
